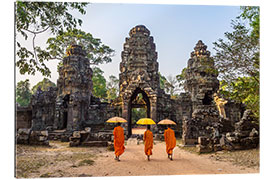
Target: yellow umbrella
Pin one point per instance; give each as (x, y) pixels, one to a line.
(146, 121)
(116, 120)
(167, 121)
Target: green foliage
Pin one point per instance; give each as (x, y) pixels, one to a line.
(170, 85)
(244, 90)
(238, 60)
(112, 88)
(23, 94)
(239, 56)
(97, 52)
(252, 14)
(44, 84)
(34, 18)
(138, 113)
(181, 78)
(99, 83)
(162, 80)
(86, 162)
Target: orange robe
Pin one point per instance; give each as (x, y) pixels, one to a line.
(170, 140)
(148, 142)
(119, 140)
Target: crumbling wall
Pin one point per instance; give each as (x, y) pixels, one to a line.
(30, 137)
(245, 136)
(43, 108)
(98, 113)
(23, 117)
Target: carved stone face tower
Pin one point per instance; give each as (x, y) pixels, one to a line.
(139, 72)
(74, 90)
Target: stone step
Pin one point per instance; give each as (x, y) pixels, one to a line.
(95, 143)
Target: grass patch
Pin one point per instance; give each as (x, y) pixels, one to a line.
(191, 149)
(246, 158)
(85, 175)
(86, 162)
(46, 175)
(73, 157)
(25, 166)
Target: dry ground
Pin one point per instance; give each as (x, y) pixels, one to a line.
(60, 160)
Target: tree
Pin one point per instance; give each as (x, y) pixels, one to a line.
(172, 86)
(162, 80)
(252, 14)
(44, 84)
(112, 88)
(99, 83)
(35, 18)
(138, 113)
(237, 60)
(23, 94)
(96, 52)
(243, 90)
(181, 79)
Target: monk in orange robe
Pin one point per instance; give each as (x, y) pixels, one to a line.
(148, 142)
(170, 140)
(119, 140)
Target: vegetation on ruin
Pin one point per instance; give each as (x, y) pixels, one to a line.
(36, 18)
(238, 58)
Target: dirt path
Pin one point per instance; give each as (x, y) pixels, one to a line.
(60, 160)
(133, 163)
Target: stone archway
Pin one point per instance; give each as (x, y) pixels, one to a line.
(134, 102)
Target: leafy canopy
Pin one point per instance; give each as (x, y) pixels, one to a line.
(34, 18)
(99, 83)
(44, 84)
(238, 58)
(170, 85)
(112, 88)
(97, 52)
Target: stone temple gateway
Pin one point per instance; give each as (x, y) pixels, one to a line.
(72, 107)
(139, 74)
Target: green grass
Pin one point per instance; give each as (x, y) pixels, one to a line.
(191, 149)
(25, 166)
(86, 162)
(29, 159)
(46, 175)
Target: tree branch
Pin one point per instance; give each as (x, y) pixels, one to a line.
(37, 32)
(34, 49)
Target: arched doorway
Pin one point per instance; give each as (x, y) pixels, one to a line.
(65, 112)
(138, 100)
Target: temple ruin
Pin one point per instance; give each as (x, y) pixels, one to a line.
(71, 107)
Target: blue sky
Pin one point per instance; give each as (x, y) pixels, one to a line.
(175, 28)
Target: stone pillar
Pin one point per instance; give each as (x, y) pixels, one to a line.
(153, 108)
